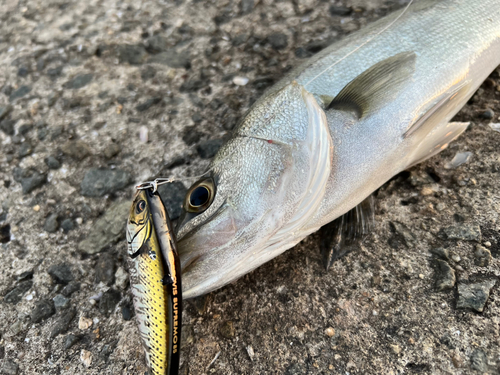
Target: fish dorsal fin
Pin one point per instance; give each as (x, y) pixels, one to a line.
(376, 85)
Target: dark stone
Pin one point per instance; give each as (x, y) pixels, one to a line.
(4, 111)
(488, 114)
(57, 131)
(239, 40)
(246, 6)
(25, 149)
(463, 231)
(52, 162)
(441, 253)
(25, 128)
(173, 196)
(5, 233)
(148, 72)
(278, 41)
(108, 229)
(15, 295)
(19, 93)
(197, 118)
(208, 149)
(148, 104)
(99, 182)
(401, 236)
(70, 340)
(10, 367)
(474, 296)
(339, 10)
(69, 289)
(112, 150)
(195, 99)
(53, 73)
(42, 134)
(105, 269)
(445, 276)
(51, 223)
(172, 58)
(157, 44)
(29, 179)
(222, 18)
(230, 122)
(302, 53)
(67, 225)
(108, 301)
(227, 330)
(127, 312)
(192, 85)
(7, 90)
(132, 54)
(62, 323)
(78, 150)
(23, 71)
(215, 104)
(7, 126)
(448, 340)
(42, 311)
(26, 275)
(52, 98)
(191, 136)
(482, 256)
(61, 273)
(60, 302)
(479, 361)
(81, 80)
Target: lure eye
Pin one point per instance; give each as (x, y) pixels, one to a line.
(141, 206)
(200, 196)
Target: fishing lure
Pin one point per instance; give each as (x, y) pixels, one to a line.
(155, 279)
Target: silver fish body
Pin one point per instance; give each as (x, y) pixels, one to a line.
(333, 131)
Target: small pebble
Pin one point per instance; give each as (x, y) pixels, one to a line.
(487, 244)
(86, 357)
(482, 256)
(488, 114)
(495, 126)
(456, 258)
(121, 278)
(84, 323)
(126, 313)
(70, 340)
(250, 352)
(330, 332)
(36, 208)
(240, 81)
(143, 134)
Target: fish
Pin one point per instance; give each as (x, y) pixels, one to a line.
(319, 142)
(155, 281)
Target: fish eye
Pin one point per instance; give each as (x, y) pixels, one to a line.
(200, 196)
(141, 206)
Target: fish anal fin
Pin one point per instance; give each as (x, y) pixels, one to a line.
(437, 141)
(376, 85)
(341, 235)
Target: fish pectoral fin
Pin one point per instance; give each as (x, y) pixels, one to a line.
(437, 140)
(439, 108)
(375, 86)
(339, 237)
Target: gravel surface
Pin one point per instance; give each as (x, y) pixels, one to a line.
(96, 96)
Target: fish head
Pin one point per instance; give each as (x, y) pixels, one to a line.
(263, 185)
(139, 223)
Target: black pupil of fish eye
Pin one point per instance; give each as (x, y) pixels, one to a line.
(199, 196)
(141, 206)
